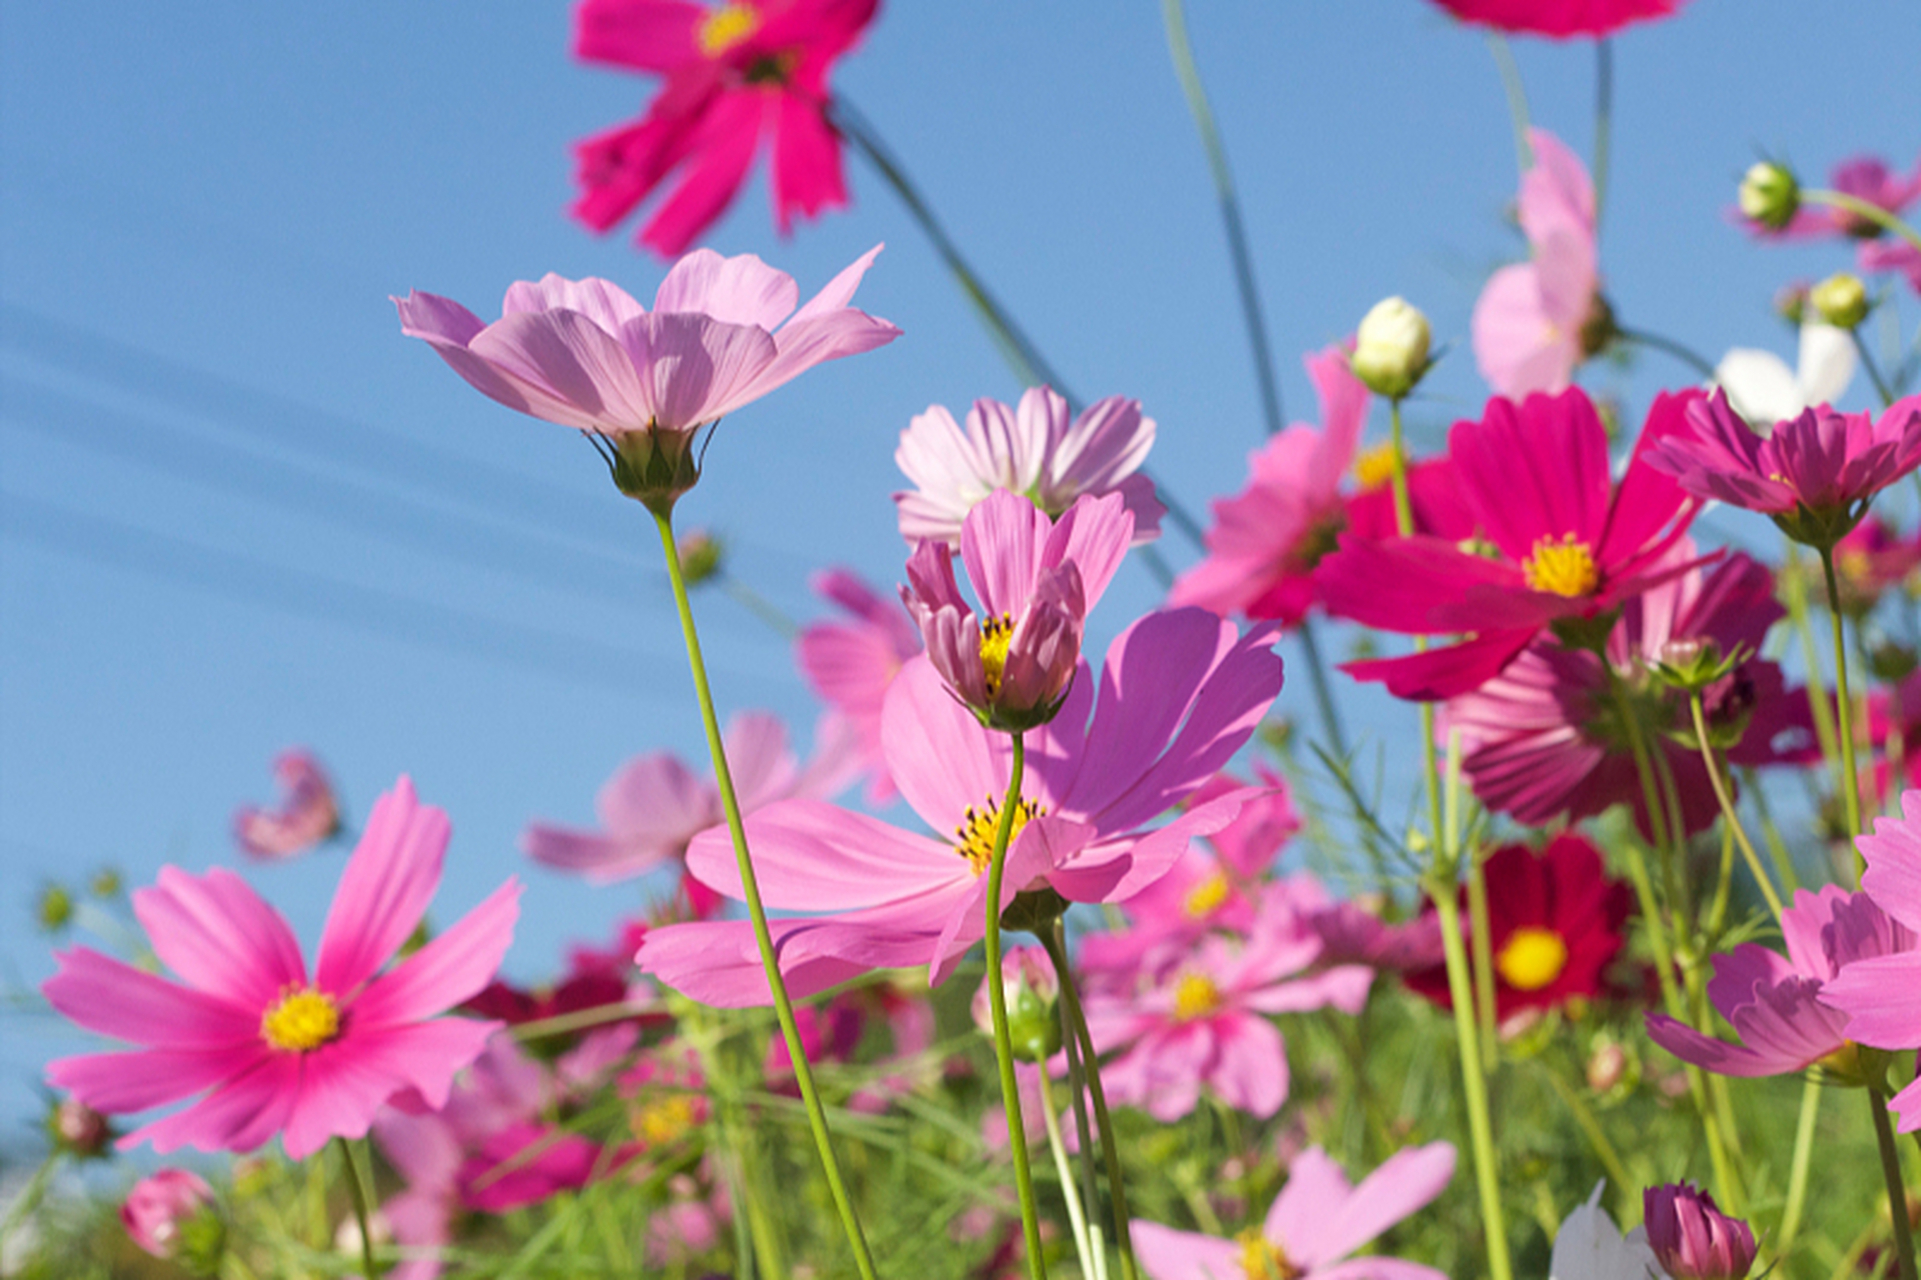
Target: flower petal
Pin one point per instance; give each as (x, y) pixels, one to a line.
(384, 890)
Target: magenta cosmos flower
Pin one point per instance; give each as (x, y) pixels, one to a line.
(272, 1050)
(1814, 474)
(308, 814)
(850, 662)
(1039, 450)
(1776, 1005)
(1317, 1221)
(1692, 1237)
(1181, 691)
(1882, 994)
(1037, 580)
(584, 354)
(1535, 321)
(731, 75)
(1559, 18)
(1563, 544)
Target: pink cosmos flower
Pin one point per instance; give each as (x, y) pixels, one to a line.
(584, 354)
(1559, 18)
(850, 663)
(1779, 1007)
(271, 1050)
(1037, 580)
(732, 74)
(1038, 450)
(1181, 691)
(1566, 544)
(1318, 1219)
(1535, 321)
(1882, 994)
(1814, 474)
(1544, 739)
(1865, 178)
(1217, 888)
(308, 814)
(159, 1205)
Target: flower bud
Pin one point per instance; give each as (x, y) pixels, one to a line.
(1390, 348)
(1841, 300)
(1692, 1238)
(106, 883)
(700, 556)
(172, 1215)
(1027, 976)
(78, 1130)
(1791, 303)
(54, 910)
(1770, 195)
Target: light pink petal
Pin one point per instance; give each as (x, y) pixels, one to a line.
(1556, 195)
(574, 360)
(1344, 400)
(940, 757)
(448, 970)
(597, 858)
(1250, 1072)
(1316, 1193)
(809, 855)
(605, 303)
(1518, 345)
(115, 999)
(1893, 854)
(739, 290)
(1001, 543)
(696, 369)
(241, 1115)
(120, 1082)
(1167, 1254)
(1094, 535)
(423, 315)
(384, 891)
(1042, 844)
(837, 293)
(216, 933)
(763, 768)
(1883, 999)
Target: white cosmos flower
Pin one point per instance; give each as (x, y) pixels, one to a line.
(1764, 390)
(1590, 1247)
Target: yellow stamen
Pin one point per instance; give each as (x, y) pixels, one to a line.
(996, 635)
(1204, 897)
(1374, 467)
(667, 1120)
(1564, 568)
(726, 27)
(975, 834)
(300, 1020)
(1262, 1259)
(1195, 996)
(1532, 958)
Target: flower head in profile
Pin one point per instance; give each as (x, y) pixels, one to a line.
(270, 1049)
(1038, 449)
(1318, 1219)
(1879, 993)
(731, 76)
(308, 814)
(1866, 178)
(583, 353)
(1535, 321)
(849, 662)
(1037, 579)
(1559, 18)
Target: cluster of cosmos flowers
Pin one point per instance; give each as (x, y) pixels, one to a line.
(1604, 681)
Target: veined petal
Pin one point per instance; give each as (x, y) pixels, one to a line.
(740, 290)
(215, 932)
(384, 890)
(450, 969)
(115, 999)
(813, 856)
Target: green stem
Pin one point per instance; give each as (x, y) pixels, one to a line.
(750, 890)
(1516, 98)
(758, 605)
(1404, 525)
(1669, 346)
(1844, 702)
(1861, 208)
(29, 1199)
(581, 1019)
(1728, 815)
(1323, 693)
(1003, 1038)
(1874, 373)
(1795, 596)
(1481, 970)
(1590, 1127)
(359, 1191)
(1077, 1092)
(1897, 1187)
(1487, 1176)
(1798, 1171)
(1076, 1216)
(1603, 123)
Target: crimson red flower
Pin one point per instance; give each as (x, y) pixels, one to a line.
(1559, 18)
(1555, 921)
(731, 74)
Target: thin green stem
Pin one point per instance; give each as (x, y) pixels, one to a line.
(1897, 1186)
(1487, 1176)
(1590, 1127)
(1076, 1216)
(599, 1015)
(1404, 525)
(1863, 209)
(1323, 693)
(1481, 954)
(1655, 342)
(362, 1215)
(1003, 1038)
(1794, 595)
(1881, 387)
(29, 1199)
(761, 607)
(1077, 1092)
(1844, 702)
(1728, 814)
(1603, 123)
(1798, 1171)
(1516, 98)
(750, 890)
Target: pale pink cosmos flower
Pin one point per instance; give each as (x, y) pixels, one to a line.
(273, 1051)
(1218, 887)
(1532, 324)
(1317, 1221)
(723, 333)
(1180, 692)
(850, 662)
(1038, 450)
(1037, 580)
(1882, 995)
(308, 814)
(158, 1205)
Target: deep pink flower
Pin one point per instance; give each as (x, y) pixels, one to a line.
(850, 663)
(308, 814)
(1180, 693)
(1882, 994)
(1778, 1006)
(1814, 474)
(160, 1206)
(1037, 580)
(1038, 450)
(731, 74)
(1545, 739)
(1692, 1237)
(273, 1051)
(1559, 18)
(1318, 1219)
(1536, 320)
(1564, 543)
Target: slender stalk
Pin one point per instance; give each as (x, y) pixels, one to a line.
(1881, 387)
(1728, 815)
(760, 606)
(29, 1199)
(362, 1216)
(1487, 1175)
(750, 890)
(1795, 596)
(1481, 967)
(1323, 693)
(1404, 525)
(1076, 1216)
(1077, 1091)
(1798, 1170)
(1590, 1127)
(1897, 1187)
(1189, 74)
(1844, 702)
(1861, 208)
(1603, 123)
(1654, 341)
(1516, 98)
(1003, 1038)
(599, 1015)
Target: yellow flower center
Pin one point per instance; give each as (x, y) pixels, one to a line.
(1195, 996)
(666, 1120)
(1532, 958)
(1205, 897)
(1374, 467)
(974, 837)
(726, 27)
(300, 1020)
(996, 635)
(1262, 1259)
(1564, 568)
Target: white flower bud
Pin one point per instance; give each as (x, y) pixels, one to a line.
(1390, 351)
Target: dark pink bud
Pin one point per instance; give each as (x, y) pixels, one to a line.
(1693, 1239)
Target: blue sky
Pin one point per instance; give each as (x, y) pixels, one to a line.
(239, 511)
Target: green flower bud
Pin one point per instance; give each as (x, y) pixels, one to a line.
(1770, 195)
(1841, 300)
(700, 556)
(1034, 1028)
